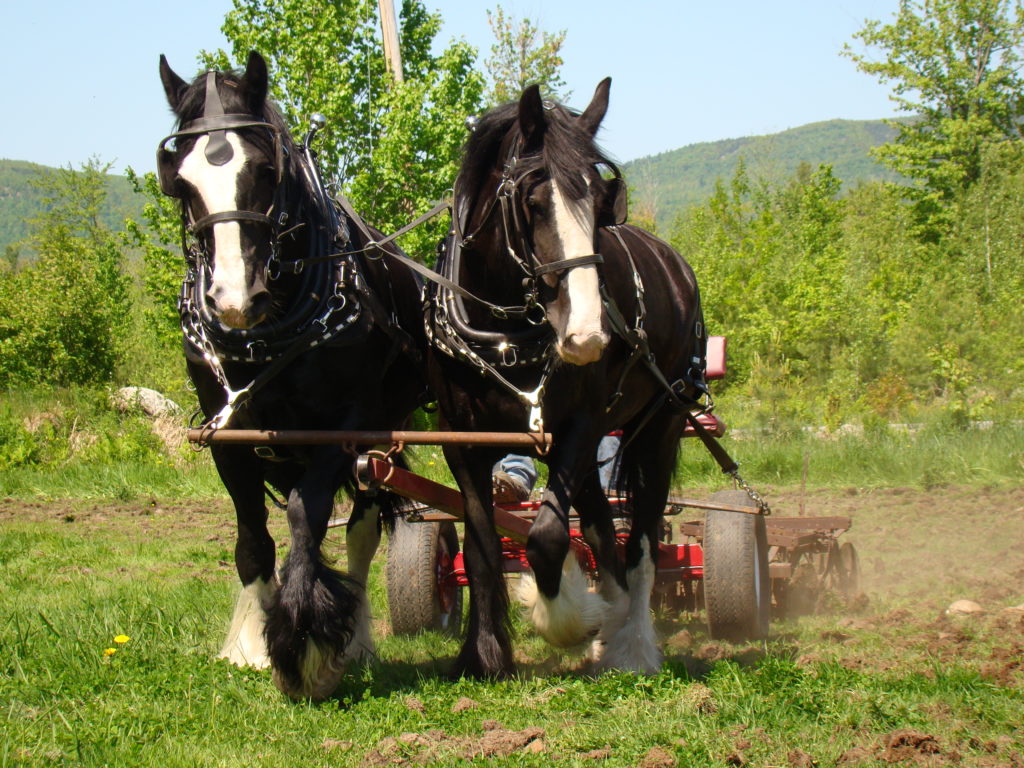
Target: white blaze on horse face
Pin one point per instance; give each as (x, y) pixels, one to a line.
(582, 340)
(217, 185)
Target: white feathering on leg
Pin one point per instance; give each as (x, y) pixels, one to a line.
(245, 645)
(634, 647)
(572, 616)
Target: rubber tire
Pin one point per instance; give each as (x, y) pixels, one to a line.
(411, 573)
(737, 588)
(848, 566)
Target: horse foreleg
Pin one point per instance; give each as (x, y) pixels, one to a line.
(598, 528)
(361, 541)
(312, 621)
(245, 645)
(649, 462)
(556, 596)
(487, 649)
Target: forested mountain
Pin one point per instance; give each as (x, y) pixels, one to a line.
(668, 182)
(21, 201)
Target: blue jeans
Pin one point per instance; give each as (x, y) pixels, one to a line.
(519, 467)
(608, 461)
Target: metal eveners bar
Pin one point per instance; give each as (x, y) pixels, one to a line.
(363, 437)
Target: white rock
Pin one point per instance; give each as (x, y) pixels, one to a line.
(964, 608)
(149, 401)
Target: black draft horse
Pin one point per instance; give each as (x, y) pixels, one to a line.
(289, 324)
(587, 323)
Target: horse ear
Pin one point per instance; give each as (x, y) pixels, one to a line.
(592, 116)
(254, 83)
(174, 86)
(532, 122)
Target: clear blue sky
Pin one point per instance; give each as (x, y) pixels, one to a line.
(81, 79)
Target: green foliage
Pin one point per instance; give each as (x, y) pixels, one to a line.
(62, 318)
(836, 308)
(164, 267)
(955, 65)
(522, 55)
(61, 442)
(393, 147)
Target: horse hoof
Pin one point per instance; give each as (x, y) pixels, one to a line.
(319, 689)
(319, 675)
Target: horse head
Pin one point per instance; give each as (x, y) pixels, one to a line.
(226, 163)
(554, 197)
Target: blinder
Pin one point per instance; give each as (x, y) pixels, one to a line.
(614, 208)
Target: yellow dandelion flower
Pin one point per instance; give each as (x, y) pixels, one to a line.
(121, 639)
(109, 651)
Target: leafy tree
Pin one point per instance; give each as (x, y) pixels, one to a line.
(63, 318)
(522, 55)
(164, 267)
(955, 65)
(393, 147)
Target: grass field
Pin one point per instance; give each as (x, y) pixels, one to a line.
(895, 681)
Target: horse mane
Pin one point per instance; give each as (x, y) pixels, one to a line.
(566, 149)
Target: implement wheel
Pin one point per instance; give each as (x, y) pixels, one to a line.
(737, 589)
(422, 593)
(847, 567)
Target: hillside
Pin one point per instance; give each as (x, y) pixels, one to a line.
(673, 180)
(20, 201)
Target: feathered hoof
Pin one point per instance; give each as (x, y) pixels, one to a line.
(319, 675)
(245, 645)
(573, 616)
(628, 652)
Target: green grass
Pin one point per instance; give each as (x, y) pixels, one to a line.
(82, 449)
(161, 576)
(935, 455)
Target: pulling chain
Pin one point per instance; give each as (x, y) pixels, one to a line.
(755, 497)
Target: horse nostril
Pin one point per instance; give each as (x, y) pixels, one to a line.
(259, 305)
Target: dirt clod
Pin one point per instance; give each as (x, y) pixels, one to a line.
(856, 756)
(906, 744)
(964, 608)
(797, 758)
(658, 757)
(414, 704)
(501, 742)
(700, 698)
(463, 704)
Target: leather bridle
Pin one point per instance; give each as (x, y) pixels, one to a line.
(508, 200)
(215, 124)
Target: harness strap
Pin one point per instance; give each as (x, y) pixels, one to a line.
(567, 264)
(423, 270)
(217, 218)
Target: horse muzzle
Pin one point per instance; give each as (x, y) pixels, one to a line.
(582, 348)
(240, 314)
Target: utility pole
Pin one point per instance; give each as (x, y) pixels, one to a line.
(389, 30)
